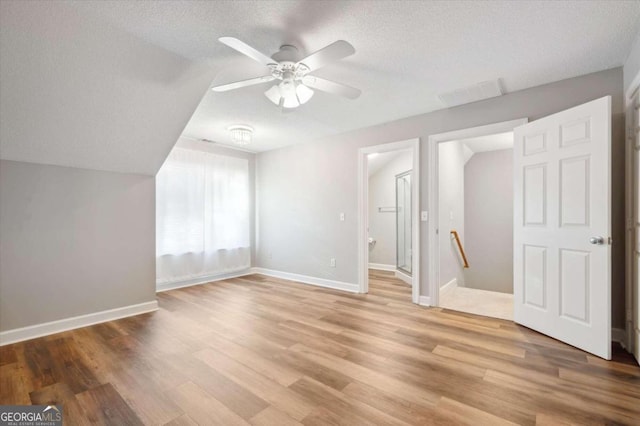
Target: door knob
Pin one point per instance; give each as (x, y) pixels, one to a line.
(596, 240)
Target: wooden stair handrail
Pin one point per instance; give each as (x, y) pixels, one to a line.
(457, 238)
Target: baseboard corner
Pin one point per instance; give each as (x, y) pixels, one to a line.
(619, 335)
(424, 301)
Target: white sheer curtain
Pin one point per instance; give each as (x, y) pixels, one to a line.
(202, 216)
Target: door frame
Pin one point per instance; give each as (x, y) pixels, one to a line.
(363, 212)
(631, 338)
(433, 201)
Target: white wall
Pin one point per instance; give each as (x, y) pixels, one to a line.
(302, 189)
(382, 193)
(74, 242)
(488, 220)
(451, 157)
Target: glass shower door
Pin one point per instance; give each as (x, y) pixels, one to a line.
(403, 222)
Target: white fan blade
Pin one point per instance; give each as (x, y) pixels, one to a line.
(333, 52)
(243, 83)
(331, 87)
(247, 50)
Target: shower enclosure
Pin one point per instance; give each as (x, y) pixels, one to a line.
(403, 222)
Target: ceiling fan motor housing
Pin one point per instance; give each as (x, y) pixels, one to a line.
(287, 66)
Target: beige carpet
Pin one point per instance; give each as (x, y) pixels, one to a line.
(480, 302)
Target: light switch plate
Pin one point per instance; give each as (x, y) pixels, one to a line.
(341, 217)
(424, 216)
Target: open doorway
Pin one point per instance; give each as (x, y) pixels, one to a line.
(475, 177)
(388, 236)
(389, 210)
(471, 224)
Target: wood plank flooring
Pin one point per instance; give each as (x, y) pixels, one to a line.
(264, 351)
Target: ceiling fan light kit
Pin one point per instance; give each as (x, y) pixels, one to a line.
(295, 86)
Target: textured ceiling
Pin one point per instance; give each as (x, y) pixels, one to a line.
(406, 53)
(110, 85)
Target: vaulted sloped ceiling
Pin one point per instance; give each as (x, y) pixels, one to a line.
(76, 91)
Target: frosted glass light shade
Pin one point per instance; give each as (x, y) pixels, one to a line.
(304, 93)
(274, 95)
(289, 94)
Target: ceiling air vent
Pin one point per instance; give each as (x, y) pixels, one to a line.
(466, 95)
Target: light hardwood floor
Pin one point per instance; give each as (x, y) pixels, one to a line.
(264, 351)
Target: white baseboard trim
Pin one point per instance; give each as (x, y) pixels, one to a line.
(424, 301)
(202, 280)
(382, 267)
(320, 282)
(404, 277)
(619, 335)
(53, 327)
(450, 286)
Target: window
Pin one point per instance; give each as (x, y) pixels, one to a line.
(202, 215)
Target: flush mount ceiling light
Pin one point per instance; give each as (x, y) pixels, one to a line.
(241, 134)
(296, 83)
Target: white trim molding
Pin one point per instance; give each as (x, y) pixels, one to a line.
(403, 276)
(619, 335)
(382, 267)
(363, 217)
(66, 324)
(432, 170)
(305, 279)
(450, 286)
(424, 301)
(202, 280)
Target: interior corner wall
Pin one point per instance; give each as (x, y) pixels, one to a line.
(488, 221)
(382, 193)
(631, 68)
(73, 242)
(303, 188)
(451, 196)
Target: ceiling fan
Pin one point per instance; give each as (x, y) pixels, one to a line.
(296, 83)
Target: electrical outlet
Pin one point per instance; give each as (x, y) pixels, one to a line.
(424, 216)
(332, 262)
(270, 255)
(341, 217)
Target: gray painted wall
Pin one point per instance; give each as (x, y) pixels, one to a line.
(302, 189)
(382, 193)
(632, 65)
(488, 220)
(451, 200)
(73, 242)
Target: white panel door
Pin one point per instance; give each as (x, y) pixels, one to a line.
(562, 224)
